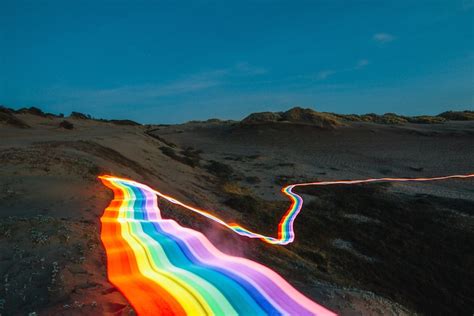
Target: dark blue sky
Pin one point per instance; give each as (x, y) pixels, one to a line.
(160, 61)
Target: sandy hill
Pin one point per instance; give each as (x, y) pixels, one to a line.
(295, 115)
(361, 250)
(298, 115)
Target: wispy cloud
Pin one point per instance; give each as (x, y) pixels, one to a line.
(467, 4)
(361, 64)
(324, 74)
(209, 79)
(244, 68)
(151, 93)
(129, 93)
(383, 37)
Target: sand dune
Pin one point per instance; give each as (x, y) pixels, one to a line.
(367, 250)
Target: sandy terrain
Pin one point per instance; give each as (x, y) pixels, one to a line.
(356, 249)
(361, 150)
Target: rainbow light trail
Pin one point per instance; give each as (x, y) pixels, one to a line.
(164, 268)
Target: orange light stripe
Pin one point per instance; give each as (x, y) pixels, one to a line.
(123, 272)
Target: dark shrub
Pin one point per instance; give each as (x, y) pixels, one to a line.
(11, 119)
(426, 119)
(219, 169)
(94, 170)
(161, 139)
(125, 122)
(4, 109)
(242, 200)
(244, 203)
(284, 180)
(190, 161)
(79, 115)
(458, 115)
(252, 180)
(168, 151)
(32, 110)
(66, 125)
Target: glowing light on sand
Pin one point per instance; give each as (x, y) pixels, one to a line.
(164, 268)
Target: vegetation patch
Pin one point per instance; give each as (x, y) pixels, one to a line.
(331, 120)
(124, 122)
(161, 139)
(193, 155)
(66, 125)
(458, 115)
(253, 180)
(188, 156)
(426, 119)
(259, 213)
(233, 188)
(284, 180)
(80, 116)
(8, 117)
(413, 249)
(33, 111)
(220, 169)
(295, 115)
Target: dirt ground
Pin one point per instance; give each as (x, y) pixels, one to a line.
(368, 250)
